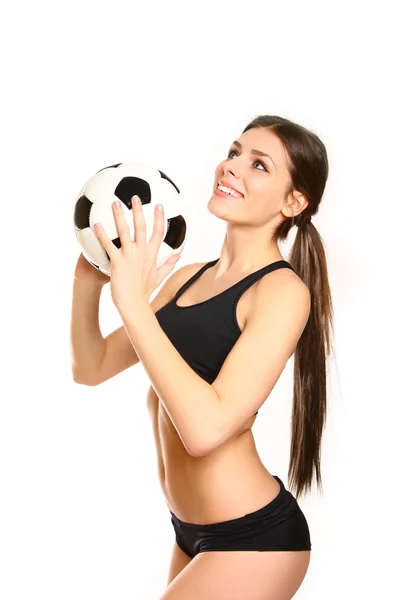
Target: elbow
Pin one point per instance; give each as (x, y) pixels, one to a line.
(203, 445)
(201, 448)
(198, 451)
(80, 380)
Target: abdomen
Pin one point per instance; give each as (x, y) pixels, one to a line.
(212, 488)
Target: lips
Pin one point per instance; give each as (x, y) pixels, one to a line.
(229, 197)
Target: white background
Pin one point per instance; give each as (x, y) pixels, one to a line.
(87, 84)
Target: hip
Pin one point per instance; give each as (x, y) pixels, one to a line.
(279, 525)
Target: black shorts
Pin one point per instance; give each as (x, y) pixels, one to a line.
(280, 525)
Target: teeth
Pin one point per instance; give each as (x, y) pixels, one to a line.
(227, 190)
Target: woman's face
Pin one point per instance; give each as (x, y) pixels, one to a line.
(261, 181)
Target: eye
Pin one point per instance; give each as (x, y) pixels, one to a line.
(254, 163)
(261, 163)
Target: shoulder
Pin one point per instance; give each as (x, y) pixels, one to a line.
(281, 292)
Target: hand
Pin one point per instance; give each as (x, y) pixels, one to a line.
(134, 275)
(87, 272)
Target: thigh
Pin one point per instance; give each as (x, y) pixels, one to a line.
(235, 575)
(179, 560)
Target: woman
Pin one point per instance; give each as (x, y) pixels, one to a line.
(214, 342)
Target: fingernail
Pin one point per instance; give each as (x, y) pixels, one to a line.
(159, 207)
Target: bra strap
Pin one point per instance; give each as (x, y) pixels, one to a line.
(244, 284)
(194, 277)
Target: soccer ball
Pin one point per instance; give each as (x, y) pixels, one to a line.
(122, 181)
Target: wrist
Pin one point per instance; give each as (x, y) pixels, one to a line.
(133, 310)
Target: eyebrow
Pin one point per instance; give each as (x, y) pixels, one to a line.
(256, 152)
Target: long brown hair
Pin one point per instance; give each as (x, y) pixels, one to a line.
(308, 169)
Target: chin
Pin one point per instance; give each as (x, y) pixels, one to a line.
(220, 208)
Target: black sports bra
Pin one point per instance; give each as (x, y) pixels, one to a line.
(204, 333)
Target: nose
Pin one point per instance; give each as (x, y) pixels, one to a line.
(229, 168)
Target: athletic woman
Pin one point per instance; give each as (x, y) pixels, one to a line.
(214, 342)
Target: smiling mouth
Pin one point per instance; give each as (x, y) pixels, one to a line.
(228, 192)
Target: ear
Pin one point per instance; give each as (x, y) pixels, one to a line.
(294, 205)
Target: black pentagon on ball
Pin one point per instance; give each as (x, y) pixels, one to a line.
(81, 212)
(176, 232)
(131, 186)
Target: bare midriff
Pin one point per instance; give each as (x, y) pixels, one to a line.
(225, 484)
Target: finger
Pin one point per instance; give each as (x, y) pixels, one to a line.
(139, 223)
(122, 226)
(166, 268)
(108, 244)
(158, 229)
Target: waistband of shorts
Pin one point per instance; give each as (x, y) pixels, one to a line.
(260, 513)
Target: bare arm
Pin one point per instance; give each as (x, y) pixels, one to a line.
(96, 359)
(87, 342)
